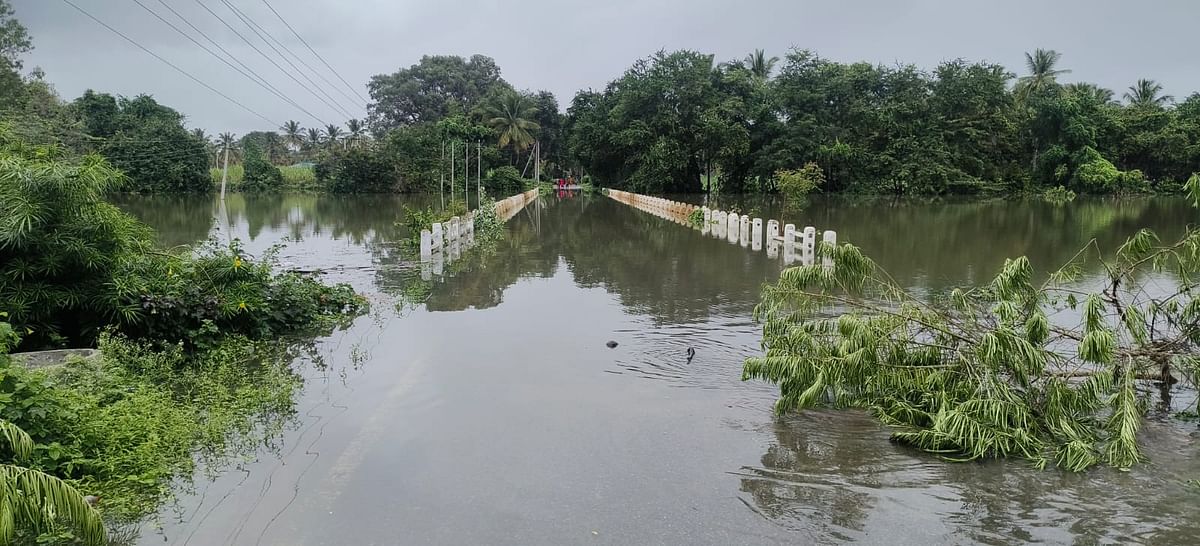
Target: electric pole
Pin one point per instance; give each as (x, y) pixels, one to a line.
(225, 172)
(452, 172)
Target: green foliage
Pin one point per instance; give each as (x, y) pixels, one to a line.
(201, 297)
(36, 501)
(260, 174)
(797, 184)
(61, 245)
(511, 114)
(416, 220)
(1058, 194)
(147, 141)
(696, 218)
(435, 87)
(985, 373)
(295, 177)
(124, 426)
(356, 171)
(504, 180)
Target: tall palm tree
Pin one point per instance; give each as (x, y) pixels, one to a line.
(200, 134)
(1147, 93)
(511, 115)
(1042, 72)
(1100, 94)
(312, 141)
(759, 65)
(293, 133)
(333, 134)
(34, 500)
(355, 129)
(227, 141)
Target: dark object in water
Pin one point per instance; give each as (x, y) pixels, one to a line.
(611, 344)
(691, 354)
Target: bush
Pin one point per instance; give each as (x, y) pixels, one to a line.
(356, 171)
(797, 184)
(504, 181)
(260, 174)
(198, 299)
(61, 245)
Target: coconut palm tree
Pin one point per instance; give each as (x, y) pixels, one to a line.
(511, 115)
(34, 500)
(356, 130)
(293, 133)
(333, 134)
(1042, 72)
(1100, 94)
(1147, 93)
(759, 65)
(227, 141)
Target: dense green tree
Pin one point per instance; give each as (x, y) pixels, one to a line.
(269, 143)
(147, 141)
(14, 41)
(435, 87)
(260, 173)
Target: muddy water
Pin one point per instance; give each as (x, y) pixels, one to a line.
(486, 408)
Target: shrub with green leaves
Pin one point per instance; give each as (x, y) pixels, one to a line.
(356, 171)
(61, 244)
(198, 298)
(987, 372)
(797, 184)
(260, 174)
(504, 180)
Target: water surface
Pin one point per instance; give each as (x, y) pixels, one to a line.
(484, 407)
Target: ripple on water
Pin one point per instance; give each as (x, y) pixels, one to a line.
(660, 352)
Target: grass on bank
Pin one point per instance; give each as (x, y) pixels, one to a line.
(295, 177)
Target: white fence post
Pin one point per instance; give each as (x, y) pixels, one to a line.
(426, 244)
(829, 237)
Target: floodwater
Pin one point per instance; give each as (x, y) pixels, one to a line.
(484, 407)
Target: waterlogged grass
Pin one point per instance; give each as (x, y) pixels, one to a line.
(124, 426)
(294, 177)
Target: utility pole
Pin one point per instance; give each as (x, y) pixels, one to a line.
(452, 172)
(467, 173)
(442, 176)
(537, 162)
(478, 167)
(225, 172)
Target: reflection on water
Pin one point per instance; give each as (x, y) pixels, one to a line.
(492, 412)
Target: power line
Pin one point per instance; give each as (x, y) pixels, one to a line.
(306, 65)
(264, 55)
(314, 52)
(239, 61)
(169, 63)
(266, 37)
(268, 87)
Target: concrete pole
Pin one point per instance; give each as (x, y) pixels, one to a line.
(452, 178)
(225, 172)
(830, 238)
(467, 174)
(478, 170)
(442, 176)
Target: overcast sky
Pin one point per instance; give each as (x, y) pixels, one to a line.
(567, 45)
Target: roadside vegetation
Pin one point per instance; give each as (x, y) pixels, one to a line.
(1050, 371)
(196, 348)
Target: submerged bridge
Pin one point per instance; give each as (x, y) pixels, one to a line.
(737, 229)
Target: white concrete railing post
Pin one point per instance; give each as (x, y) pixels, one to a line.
(772, 229)
(810, 239)
(426, 244)
(438, 238)
(829, 237)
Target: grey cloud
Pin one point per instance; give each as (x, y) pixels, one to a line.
(564, 46)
